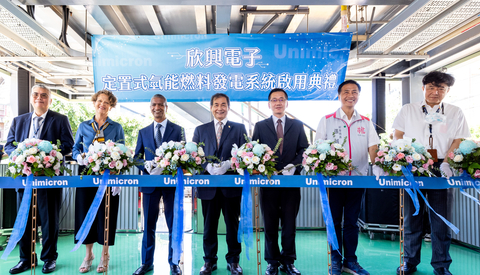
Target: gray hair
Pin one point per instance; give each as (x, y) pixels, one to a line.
(41, 86)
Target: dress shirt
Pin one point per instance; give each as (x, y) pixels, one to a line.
(322, 126)
(224, 122)
(30, 135)
(275, 119)
(162, 129)
(411, 121)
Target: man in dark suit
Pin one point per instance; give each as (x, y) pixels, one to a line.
(219, 136)
(48, 125)
(149, 139)
(281, 204)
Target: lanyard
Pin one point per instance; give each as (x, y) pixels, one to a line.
(99, 136)
(430, 139)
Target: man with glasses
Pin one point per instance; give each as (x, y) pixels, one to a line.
(440, 127)
(281, 204)
(48, 125)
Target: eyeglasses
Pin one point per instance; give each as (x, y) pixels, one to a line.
(275, 100)
(42, 95)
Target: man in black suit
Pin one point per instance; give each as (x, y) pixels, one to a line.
(219, 136)
(281, 204)
(48, 125)
(149, 139)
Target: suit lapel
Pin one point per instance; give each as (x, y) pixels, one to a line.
(168, 132)
(288, 124)
(49, 119)
(150, 139)
(269, 123)
(225, 132)
(211, 141)
(26, 129)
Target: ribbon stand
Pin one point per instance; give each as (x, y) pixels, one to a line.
(34, 231)
(329, 251)
(401, 233)
(257, 232)
(107, 228)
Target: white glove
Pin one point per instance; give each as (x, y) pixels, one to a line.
(288, 170)
(218, 169)
(156, 171)
(81, 161)
(377, 171)
(116, 190)
(446, 170)
(149, 165)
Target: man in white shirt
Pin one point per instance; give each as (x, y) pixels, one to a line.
(439, 126)
(360, 143)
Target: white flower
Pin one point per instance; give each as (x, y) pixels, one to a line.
(261, 168)
(185, 157)
(255, 159)
(40, 166)
(20, 159)
(397, 167)
(240, 152)
(240, 171)
(421, 170)
(12, 169)
(310, 160)
(129, 153)
(115, 156)
(171, 143)
(119, 165)
(163, 163)
(250, 166)
(59, 155)
(159, 151)
(164, 145)
(308, 151)
(169, 155)
(175, 158)
(42, 154)
(458, 158)
(32, 151)
(96, 168)
(322, 156)
(116, 149)
(307, 168)
(201, 153)
(388, 158)
(345, 159)
(247, 160)
(337, 146)
(56, 166)
(332, 153)
(416, 156)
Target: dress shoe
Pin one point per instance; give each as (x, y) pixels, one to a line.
(20, 267)
(207, 268)
(336, 268)
(271, 270)
(175, 270)
(49, 266)
(143, 269)
(290, 269)
(234, 268)
(407, 269)
(354, 268)
(441, 271)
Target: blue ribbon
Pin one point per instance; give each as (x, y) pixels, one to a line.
(177, 234)
(92, 212)
(21, 220)
(245, 227)
(407, 171)
(476, 184)
(327, 214)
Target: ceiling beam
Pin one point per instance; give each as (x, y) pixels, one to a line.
(296, 20)
(103, 21)
(248, 19)
(201, 19)
(153, 19)
(124, 27)
(220, 2)
(223, 18)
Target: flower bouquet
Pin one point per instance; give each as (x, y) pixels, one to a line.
(173, 155)
(109, 155)
(37, 157)
(326, 157)
(403, 152)
(253, 157)
(466, 158)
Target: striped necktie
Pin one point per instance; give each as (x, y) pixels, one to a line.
(36, 126)
(280, 135)
(219, 133)
(158, 136)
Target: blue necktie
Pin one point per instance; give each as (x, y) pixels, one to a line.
(158, 136)
(36, 126)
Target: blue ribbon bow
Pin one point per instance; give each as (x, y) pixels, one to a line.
(21, 220)
(92, 212)
(245, 227)
(177, 234)
(327, 214)
(476, 184)
(407, 172)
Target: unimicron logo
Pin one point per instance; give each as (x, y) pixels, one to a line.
(117, 181)
(46, 182)
(329, 182)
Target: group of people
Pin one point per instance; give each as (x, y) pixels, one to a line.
(278, 205)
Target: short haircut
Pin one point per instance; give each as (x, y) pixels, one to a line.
(161, 97)
(436, 78)
(41, 86)
(349, 82)
(278, 90)
(218, 95)
(111, 97)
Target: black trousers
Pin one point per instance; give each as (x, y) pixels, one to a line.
(230, 208)
(48, 209)
(83, 200)
(280, 205)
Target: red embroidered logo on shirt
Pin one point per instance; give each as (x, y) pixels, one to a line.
(361, 130)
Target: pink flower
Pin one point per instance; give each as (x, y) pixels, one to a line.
(234, 153)
(400, 155)
(423, 157)
(90, 159)
(270, 152)
(249, 145)
(342, 173)
(380, 153)
(273, 160)
(340, 154)
(244, 154)
(409, 159)
(304, 161)
(335, 168)
(125, 163)
(167, 163)
(99, 154)
(451, 155)
(425, 166)
(430, 162)
(31, 159)
(111, 165)
(316, 164)
(57, 172)
(382, 160)
(250, 154)
(314, 151)
(414, 168)
(194, 154)
(198, 160)
(266, 157)
(157, 159)
(46, 158)
(14, 158)
(111, 144)
(237, 165)
(27, 170)
(377, 159)
(329, 166)
(48, 165)
(477, 173)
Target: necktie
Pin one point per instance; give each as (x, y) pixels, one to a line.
(280, 135)
(219, 133)
(158, 136)
(36, 126)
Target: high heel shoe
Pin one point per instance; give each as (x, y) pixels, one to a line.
(103, 265)
(86, 265)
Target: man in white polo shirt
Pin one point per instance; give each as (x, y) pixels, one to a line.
(440, 127)
(361, 141)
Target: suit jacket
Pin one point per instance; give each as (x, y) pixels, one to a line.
(294, 141)
(56, 127)
(146, 144)
(233, 133)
